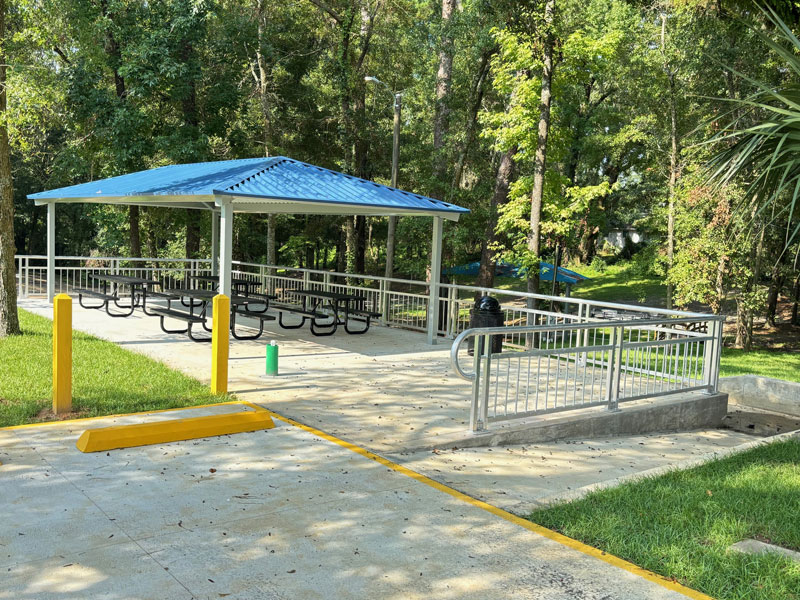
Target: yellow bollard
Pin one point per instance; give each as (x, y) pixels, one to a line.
(62, 354)
(219, 344)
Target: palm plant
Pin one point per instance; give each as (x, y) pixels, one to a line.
(761, 141)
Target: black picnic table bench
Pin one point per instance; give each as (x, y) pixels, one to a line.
(341, 309)
(138, 287)
(200, 299)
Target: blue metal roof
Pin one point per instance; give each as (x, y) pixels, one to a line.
(253, 184)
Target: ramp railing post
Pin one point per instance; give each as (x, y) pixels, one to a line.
(615, 367)
(62, 354)
(220, 344)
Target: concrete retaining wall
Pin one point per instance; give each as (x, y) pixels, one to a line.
(763, 393)
(682, 413)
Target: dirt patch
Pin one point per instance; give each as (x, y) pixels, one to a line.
(47, 414)
(783, 336)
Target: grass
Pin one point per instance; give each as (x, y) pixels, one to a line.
(106, 378)
(769, 363)
(681, 524)
(617, 283)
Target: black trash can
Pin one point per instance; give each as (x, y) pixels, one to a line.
(486, 313)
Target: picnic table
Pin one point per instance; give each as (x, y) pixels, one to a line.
(240, 305)
(138, 288)
(341, 307)
(239, 285)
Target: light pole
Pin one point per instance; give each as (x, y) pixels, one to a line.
(398, 105)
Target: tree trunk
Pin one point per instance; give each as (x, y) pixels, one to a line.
(271, 244)
(29, 242)
(9, 319)
(477, 100)
(744, 336)
(719, 287)
(775, 285)
(674, 155)
(673, 177)
(114, 53)
(361, 244)
(350, 238)
(796, 302)
(540, 160)
(262, 83)
(444, 77)
(192, 233)
(135, 240)
(500, 196)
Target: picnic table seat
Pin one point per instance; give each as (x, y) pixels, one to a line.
(169, 297)
(189, 319)
(260, 299)
(106, 298)
(259, 316)
(364, 316)
(318, 329)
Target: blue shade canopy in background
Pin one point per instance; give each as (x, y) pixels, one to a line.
(503, 268)
(260, 185)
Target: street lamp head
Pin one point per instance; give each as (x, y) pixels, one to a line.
(371, 79)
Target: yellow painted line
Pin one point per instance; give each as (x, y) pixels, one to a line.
(176, 430)
(130, 414)
(499, 512)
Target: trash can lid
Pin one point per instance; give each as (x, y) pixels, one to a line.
(487, 303)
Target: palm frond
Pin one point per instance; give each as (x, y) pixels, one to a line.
(760, 143)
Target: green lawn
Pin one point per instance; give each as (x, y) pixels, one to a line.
(780, 365)
(617, 283)
(106, 378)
(681, 524)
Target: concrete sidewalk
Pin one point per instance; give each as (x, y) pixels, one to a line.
(386, 390)
(280, 513)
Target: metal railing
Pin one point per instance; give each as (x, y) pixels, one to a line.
(564, 354)
(72, 272)
(568, 366)
(402, 302)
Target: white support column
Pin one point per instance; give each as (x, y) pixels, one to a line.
(436, 274)
(51, 251)
(226, 247)
(214, 243)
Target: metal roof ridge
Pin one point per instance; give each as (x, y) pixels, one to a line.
(434, 201)
(271, 161)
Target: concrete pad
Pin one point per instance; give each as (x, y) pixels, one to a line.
(280, 513)
(387, 390)
(522, 478)
(122, 572)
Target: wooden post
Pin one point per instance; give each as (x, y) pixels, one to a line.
(62, 354)
(220, 344)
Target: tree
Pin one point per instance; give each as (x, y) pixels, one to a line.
(540, 159)
(760, 141)
(9, 320)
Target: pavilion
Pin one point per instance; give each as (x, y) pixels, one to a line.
(276, 185)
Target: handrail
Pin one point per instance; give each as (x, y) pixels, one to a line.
(476, 331)
(579, 302)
